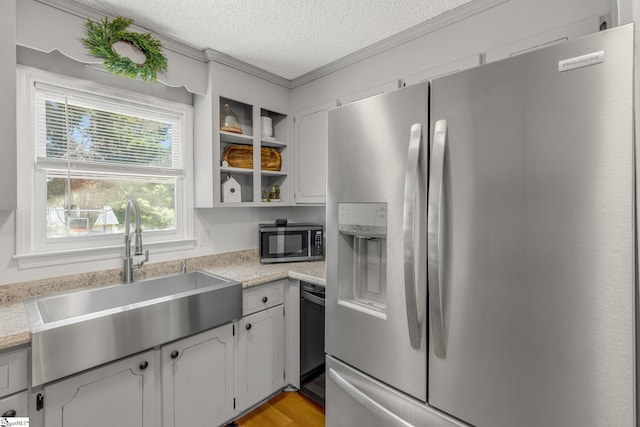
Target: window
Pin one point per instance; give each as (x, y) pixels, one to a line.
(91, 148)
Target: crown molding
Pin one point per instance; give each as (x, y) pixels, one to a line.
(223, 58)
(469, 9)
(85, 12)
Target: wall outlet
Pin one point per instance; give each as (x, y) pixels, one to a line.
(203, 238)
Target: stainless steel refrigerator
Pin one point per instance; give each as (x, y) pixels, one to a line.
(481, 246)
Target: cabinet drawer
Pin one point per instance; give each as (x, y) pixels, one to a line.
(262, 297)
(14, 405)
(13, 372)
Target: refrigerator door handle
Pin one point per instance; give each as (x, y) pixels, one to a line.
(434, 247)
(408, 226)
(375, 407)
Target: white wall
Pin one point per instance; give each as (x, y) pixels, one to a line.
(234, 229)
(229, 229)
(8, 91)
(503, 24)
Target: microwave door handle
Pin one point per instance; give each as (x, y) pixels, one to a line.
(434, 237)
(309, 243)
(408, 228)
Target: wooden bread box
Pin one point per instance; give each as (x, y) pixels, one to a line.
(241, 156)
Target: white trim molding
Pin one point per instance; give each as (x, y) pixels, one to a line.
(469, 9)
(33, 249)
(74, 256)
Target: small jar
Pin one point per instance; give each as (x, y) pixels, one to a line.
(229, 121)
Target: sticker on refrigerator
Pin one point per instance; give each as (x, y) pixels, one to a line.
(581, 61)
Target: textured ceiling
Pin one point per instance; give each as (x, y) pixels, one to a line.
(288, 38)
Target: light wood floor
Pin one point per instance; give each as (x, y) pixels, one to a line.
(288, 409)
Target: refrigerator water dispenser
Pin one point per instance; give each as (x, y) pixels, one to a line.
(362, 252)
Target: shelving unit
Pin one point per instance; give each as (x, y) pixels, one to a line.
(253, 181)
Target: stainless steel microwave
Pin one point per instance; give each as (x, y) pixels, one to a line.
(291, 242)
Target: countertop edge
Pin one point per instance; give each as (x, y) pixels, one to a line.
(249, 273)
(307, 278)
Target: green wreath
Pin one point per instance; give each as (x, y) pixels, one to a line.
(102, 35)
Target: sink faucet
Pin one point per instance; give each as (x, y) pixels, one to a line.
(128, 258)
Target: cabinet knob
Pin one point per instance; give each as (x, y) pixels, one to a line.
(248, 326)
(265, 299)
(174, 354)
(144, 365)
(9, 414)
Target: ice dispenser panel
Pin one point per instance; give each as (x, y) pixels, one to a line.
(362, 275)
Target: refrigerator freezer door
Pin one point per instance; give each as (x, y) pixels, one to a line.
(374, 321)
(537, 238)
(353, 399)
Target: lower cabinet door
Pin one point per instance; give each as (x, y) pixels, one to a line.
(197, 379)
(260, 356)
(118, 394)
(14, 405)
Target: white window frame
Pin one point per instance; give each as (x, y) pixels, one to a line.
(33, 248)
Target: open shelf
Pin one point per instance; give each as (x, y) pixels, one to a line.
(273, 173)
(233, 171)
(252, 182)
(235, 138)
(272, 143)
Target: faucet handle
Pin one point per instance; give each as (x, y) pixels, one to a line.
(146, 258)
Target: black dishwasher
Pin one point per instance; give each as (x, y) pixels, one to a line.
(312, 341)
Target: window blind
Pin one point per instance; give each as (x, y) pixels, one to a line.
(84, 131)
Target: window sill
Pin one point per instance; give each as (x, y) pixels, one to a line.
(73, 256)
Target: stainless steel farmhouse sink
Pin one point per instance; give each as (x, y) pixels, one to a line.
(78, 330)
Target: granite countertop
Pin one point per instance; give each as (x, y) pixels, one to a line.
(242, 266)
(251, 273)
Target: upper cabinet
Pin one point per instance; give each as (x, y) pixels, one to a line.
(241, 142)
(8, 188)
(312, 136)
(442, 70)
(372, 91)
(581, 28)
(252, 147)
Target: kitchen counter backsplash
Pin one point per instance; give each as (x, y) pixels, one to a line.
(243, 266)
(16, 292)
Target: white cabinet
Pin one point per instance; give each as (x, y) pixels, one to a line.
(261, 343)
(581, 28)
(197, 379)
(13, 372)
(121, 393)
(258, 298)
(260, 356)
(258, 162)
(250, 98)
(14, 405)
(442, 70)
(312, 136)
(13, 383)
(369, 92)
